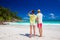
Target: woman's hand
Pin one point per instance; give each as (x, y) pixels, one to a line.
(30, 11)
(36, 19)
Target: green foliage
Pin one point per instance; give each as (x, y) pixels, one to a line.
(7, 15)
(1, 19)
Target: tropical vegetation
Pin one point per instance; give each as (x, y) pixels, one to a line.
(6, 15)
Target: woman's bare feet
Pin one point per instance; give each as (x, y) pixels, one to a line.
(40, 36)
(30, 36)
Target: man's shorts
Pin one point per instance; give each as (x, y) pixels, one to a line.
(39, 25)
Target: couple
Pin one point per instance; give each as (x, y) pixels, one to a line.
(34, 18)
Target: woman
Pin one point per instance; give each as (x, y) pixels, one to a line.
(32, 22)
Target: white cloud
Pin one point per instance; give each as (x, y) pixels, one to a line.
(26, 18)
(52, 15)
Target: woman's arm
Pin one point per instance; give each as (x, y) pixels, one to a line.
(36, 19)
(29, 12)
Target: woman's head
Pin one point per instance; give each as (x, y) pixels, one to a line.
(32, 11)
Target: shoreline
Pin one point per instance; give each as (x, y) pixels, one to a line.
(15, 23)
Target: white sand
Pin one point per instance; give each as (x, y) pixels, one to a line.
(21, 32)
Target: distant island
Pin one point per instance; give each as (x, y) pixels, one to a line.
(6, 15)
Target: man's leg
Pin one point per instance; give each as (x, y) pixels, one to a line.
(40, 32)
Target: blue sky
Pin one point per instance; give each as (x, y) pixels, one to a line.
(49, 8)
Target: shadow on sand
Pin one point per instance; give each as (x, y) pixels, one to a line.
(27, 35)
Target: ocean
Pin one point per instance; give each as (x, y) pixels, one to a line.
(44, 22)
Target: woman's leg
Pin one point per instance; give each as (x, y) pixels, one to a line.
(34, 29)
(30, 30)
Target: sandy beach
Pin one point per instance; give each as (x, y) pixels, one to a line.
(21, 32)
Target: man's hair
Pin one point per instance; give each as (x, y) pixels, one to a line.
(38, 10)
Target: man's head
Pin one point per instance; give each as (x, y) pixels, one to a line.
(38, 10)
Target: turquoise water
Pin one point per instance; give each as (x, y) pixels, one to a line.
(52, 21)
(45, 22)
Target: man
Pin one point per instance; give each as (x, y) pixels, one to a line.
(39, 22)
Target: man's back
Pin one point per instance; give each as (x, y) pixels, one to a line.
(39, 16)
